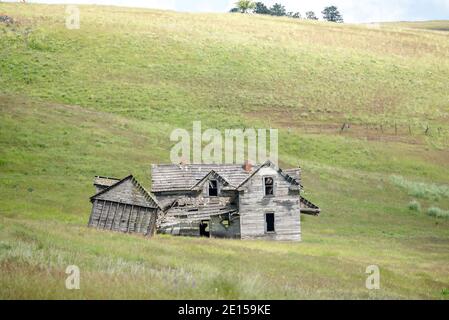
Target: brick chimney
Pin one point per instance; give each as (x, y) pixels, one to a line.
(247, 166)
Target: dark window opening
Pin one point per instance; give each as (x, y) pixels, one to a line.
(213, 188)
(204, 229)
(269, 219)
(269, 186)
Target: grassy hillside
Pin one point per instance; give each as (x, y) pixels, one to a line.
(103, 100)
(436, 25)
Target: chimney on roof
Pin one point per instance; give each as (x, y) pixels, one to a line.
(247, 166)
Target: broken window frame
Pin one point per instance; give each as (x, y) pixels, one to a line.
(268, 194)
(209, 188)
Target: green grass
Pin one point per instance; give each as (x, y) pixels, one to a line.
(104, 99)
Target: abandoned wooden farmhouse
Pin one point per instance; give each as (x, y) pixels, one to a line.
(223, 201)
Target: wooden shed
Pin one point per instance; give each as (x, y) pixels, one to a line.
(124, 206)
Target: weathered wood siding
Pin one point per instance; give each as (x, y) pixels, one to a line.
(122, 217)
(253, 205)
(126, 192)
(183, 228)
(165, 199)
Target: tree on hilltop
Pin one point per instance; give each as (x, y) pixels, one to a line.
(278, 10)
(261, 8)
(245, 5)
(294, 15)
(310, 15)
(332, 14)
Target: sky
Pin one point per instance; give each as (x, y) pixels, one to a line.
(354, 11)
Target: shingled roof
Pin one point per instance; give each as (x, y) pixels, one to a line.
(112, 183)
(182, 177)
(105, 181)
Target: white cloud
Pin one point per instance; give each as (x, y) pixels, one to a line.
(443, 3)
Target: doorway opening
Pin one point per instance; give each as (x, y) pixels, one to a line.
(269, 222)
(204, 229)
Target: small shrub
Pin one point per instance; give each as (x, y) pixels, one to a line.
(414, 206)
(438, 213)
